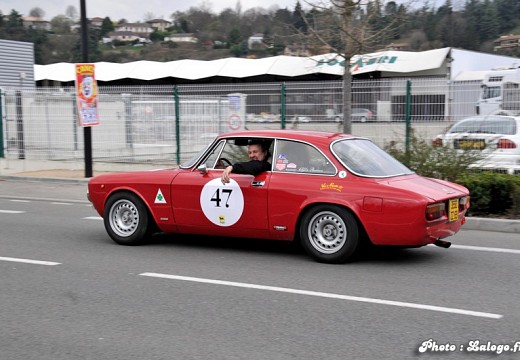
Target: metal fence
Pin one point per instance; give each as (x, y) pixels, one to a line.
(168, 124)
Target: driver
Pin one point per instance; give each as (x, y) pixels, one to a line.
(258, 153)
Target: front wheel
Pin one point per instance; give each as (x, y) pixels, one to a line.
(126, 219)
(329, 234)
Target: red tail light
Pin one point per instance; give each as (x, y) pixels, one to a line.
(506, 144)
(434, 211)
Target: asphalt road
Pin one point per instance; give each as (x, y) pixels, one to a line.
(68, 292)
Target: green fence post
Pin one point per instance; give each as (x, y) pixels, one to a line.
(1, 123)
(127, 106)
(74, 119)
(282, 104)
(408, 107)
(177, 123)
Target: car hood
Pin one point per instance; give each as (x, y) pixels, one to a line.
(434, 189)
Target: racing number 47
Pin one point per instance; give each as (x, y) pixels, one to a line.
(219, 194)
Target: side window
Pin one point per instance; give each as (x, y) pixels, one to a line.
(296, 157)
(230, 151)
(234, 153)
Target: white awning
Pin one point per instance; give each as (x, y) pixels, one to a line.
(289, 66)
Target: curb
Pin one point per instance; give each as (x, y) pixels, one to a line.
(495, 225)
(45, 179)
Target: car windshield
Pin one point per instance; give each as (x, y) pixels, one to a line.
(363, 157)
(488, 125)
(194, 159)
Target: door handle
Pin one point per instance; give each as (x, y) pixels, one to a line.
(258, 183)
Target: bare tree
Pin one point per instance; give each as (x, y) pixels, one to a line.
(347, 28)
(72, 13)
(149, 16)
(37, 12)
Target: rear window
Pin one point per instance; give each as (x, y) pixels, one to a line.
(363, 157)
(488, 125)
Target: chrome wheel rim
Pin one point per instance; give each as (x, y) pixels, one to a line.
(124, 218)
(327, 232)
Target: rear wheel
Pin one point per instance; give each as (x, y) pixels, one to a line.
(126, 219)
(329, 234)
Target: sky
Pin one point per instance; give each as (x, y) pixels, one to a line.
(133, 10)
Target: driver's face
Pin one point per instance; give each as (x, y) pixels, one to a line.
(255, 152)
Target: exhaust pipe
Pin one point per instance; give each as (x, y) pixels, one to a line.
(442, 243)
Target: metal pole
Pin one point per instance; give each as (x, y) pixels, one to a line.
(408, 107)
(19, 125)
(177, 123)
(75, 121)
(282, 103)
(127, 101)
(87, 130)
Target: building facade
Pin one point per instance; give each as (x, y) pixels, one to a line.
(16, 64)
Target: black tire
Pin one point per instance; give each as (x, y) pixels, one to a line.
(126, 219)
(329, 234)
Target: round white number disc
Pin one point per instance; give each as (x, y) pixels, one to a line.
(222, 204)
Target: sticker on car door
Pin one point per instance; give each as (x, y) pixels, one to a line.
(223, 205)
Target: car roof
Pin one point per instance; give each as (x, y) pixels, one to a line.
(314, 137)
(489, 118)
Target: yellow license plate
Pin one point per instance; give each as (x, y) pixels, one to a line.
(470, 144)
(453, 210)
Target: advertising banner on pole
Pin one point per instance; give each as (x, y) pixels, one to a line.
(86, 95)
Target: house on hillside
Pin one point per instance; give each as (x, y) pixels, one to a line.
(509, 42)
(36, 23)
(141, 29)
(398, 47)
(122, 36)
(159, 24)
(255, 41)
(186, 37)
(96, 21)
(297, 50)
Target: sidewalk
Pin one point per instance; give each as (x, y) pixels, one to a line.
(77, 176)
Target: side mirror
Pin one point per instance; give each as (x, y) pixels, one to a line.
(203, 169)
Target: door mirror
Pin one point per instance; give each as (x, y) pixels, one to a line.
(203, 169)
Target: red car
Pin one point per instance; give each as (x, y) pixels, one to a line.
(329, 191)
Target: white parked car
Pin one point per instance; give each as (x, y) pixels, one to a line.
(496, 137)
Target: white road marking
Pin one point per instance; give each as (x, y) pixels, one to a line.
(28, 261)
(93, 218)
(60, 203)
(20, 201)
(327, 295)
(11, 212)
(482, 248)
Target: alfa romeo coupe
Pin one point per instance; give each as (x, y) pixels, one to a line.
(331, 192)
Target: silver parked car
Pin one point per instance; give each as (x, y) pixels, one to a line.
(495, 137)
(359, 115)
